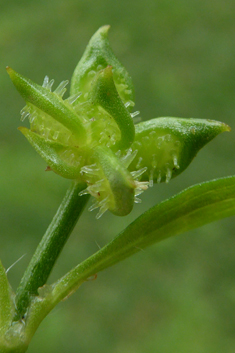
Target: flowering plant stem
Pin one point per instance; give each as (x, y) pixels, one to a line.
(50, 247)
(192, 208)
(91, 139)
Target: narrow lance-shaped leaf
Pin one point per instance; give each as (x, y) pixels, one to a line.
(192, 208)
(49, 103)
(97, 56)
(166, 146)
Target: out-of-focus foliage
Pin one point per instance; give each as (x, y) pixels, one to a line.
(177, 296)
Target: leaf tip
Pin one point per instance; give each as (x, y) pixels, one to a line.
(23, 130)
(226, 127)
(10, 71)
(104, 29)
(223, 127)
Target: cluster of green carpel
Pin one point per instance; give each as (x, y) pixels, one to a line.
(91, 136)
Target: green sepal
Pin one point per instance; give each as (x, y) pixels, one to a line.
(98, 55)
(166, 146)
(103, 93)
(120, 185)
(49, 103)
(63, 160)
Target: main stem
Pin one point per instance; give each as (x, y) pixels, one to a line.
(49, 248)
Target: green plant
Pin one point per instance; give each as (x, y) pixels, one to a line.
(91, 139)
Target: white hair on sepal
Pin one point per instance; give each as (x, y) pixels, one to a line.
(61, 89)
(103, 205)
(90, 170)
(25, 113)
(168, 175)
(45, 81)
(135, 114)
(73, 99)
(137, 173)
(159, 177)
(151, 178)
(128, 157)
(48, 83)
(175, 161)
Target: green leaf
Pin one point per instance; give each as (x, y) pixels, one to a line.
(97, 56)
(198, 205)
(192, 208)
(166, 146)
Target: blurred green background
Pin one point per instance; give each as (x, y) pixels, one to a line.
(178, 296)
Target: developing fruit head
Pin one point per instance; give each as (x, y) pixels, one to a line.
(90, 137)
